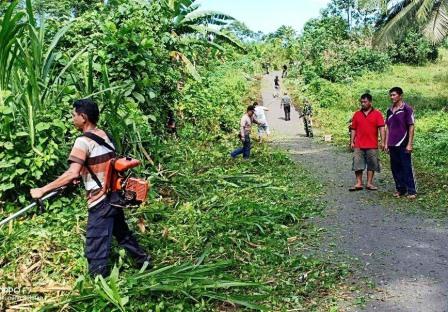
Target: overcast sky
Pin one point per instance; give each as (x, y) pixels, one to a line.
(268, 15)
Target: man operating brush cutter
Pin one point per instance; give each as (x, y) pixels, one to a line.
(93, 158)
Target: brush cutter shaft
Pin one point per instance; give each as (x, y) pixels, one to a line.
(23, 210)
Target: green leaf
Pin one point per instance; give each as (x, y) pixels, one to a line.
(5, 187)
(140, 98)
(8, 145)
(41, 126)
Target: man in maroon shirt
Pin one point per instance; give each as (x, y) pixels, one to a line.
(364, 141)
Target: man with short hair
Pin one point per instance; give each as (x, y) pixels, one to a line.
(399, 143)
(260, 116)
(286, 104)
(89, 160)
(244, 135)
(364, 141)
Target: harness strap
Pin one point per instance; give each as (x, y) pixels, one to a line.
(102, 142)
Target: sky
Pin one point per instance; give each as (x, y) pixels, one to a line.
(268, 15)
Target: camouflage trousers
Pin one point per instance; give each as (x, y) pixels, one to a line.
(308, 126)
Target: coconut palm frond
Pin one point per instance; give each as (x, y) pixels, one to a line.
(437, 26)
(398, 22)
(425, 10)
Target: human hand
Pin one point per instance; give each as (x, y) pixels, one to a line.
(352, 145)
(36, 193)
(409, 148)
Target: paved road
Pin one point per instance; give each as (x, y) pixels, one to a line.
(405, 255)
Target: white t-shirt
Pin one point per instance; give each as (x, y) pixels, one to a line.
(260, 115)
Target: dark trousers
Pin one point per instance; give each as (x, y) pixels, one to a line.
(401, 166)
(245, 150)
(287, 109)
(104, 221)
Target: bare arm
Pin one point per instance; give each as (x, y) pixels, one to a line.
(352, 139)
(383, 136)
(386, 135)
(66, 178)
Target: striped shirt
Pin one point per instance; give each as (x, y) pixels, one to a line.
(98, 158)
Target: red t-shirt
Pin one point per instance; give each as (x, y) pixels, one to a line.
(366, 127)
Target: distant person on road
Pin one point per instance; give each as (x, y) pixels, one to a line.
(276, 87)
(307, 113)
(244, 135)
(366, 123)
(399, 143)
(260, 116)
(285, 71)
(286, 104)
(266, 67)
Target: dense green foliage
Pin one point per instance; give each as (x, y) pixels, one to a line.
(413, 49)
(223, 233)
(331, 52)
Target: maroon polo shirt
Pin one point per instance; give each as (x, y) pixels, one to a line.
(366, 127)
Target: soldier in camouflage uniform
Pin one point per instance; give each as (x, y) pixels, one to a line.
(306, 114)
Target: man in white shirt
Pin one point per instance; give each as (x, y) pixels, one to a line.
(260, 116)
(245, 129)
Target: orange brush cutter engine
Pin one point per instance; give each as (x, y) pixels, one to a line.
(135, 190)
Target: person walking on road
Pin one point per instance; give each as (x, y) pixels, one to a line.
(276, 87)
(286, 104)
(399, 143)
(266, 67)
(285, 71)
(244, 135)
(260, 116)
(366, 123)
(307, 113)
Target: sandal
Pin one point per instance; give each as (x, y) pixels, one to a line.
(371, 188)
(411, 196)
(397, 194)
(356, 188)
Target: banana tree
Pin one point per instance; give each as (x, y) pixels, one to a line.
(201, 26)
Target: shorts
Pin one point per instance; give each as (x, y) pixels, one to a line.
(263, 128)
(366, 158)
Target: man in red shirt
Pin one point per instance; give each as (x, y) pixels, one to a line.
(364, 141)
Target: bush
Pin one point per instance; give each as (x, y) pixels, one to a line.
(413, 49)
(330, 53)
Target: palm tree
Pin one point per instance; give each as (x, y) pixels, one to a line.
(430, 15)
